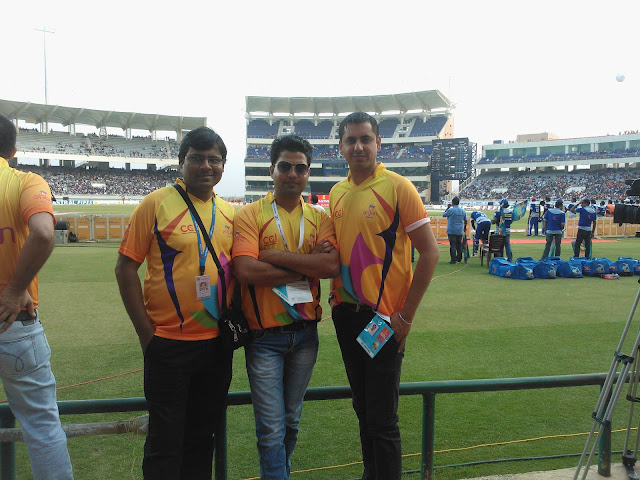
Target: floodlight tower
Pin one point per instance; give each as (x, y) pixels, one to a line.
(44, 40)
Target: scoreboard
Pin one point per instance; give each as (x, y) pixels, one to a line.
(452, 158)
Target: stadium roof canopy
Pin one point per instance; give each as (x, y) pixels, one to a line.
(38, 113)
(402, 102)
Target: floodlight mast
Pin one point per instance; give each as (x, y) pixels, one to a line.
(44, 40)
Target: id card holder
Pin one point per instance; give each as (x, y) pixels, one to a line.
(375, 335)
(203, 286)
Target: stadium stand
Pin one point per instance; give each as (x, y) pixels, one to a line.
(261, 129)
(596, 184)
(430, 128)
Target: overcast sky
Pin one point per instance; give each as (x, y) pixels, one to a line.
(510, 66)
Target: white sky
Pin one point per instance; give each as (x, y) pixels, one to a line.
(510, 66)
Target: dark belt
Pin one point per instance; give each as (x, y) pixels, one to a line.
(356, 307)
(26, 319)
(292, 327)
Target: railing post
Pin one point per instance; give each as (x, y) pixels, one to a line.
(604, 447)
(220, 449)
(8, 450)
(428, 434)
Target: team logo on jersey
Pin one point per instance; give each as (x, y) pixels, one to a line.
(270, 240)
(239, 238)
(370, 212)
(311, 241)
(227, 231)
(188, 228)
(338, 213)
(43, 197)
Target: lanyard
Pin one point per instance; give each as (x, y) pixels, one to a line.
(276, 216)
(203, 253)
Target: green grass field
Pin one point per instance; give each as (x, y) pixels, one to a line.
(470, 325)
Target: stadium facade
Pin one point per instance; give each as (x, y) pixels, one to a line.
(409, 123)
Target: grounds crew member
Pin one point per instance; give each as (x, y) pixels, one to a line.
(586, 227)
(186, 371)
(282, 242)
(26, 241)
(377, 214)
(482, 225)
(553, 224)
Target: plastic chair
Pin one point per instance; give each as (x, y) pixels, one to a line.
(495, 247)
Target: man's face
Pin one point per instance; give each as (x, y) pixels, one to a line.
(288, 178)
(360, 145)
(202, 170)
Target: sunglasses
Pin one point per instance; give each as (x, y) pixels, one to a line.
(285, 167)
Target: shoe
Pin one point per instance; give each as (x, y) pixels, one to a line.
(474, 255)
(451, 262)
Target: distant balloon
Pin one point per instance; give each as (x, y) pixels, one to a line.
(620, 77)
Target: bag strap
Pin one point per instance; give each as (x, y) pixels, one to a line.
(194, 212)
(252, 291)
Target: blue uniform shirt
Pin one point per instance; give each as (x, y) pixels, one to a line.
(534, 210)
(503, 218)
(456, 216)
(587, 216)
(478, 218)
(555, 219)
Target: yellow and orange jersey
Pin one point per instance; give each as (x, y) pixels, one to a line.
(255, 230)
(372, 221)
(22, 195)
(162, 232)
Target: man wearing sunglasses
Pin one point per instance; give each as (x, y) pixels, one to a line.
(377, 215)
(282, 247)
(186, 371)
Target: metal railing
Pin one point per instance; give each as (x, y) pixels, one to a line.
(428, 391)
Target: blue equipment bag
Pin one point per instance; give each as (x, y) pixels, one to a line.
(546, 269)
(597, 267)
(570, 269)
(496, 263)
(626, 266)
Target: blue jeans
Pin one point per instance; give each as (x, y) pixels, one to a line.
(375, 387)
(482, 233)
(279, 367)
(31, 391)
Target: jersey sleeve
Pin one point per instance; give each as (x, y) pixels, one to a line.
(35, 197)
(326, 230)
(139, 233)
(410, 206)
(245, 233)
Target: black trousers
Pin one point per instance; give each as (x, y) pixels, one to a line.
(583, 236)
(375, 386)
(455, 247)
(186, 385)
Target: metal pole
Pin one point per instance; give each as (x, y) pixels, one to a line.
(604, 447)
(44, 44)
(8, 450)
(428, 434)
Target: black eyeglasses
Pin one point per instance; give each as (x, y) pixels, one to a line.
(213, 161)
(285, 167)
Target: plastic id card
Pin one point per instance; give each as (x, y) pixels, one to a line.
(375, 335)
(294, 292)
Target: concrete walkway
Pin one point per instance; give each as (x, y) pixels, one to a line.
(617, 473)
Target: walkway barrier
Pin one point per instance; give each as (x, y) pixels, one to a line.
(428, 391)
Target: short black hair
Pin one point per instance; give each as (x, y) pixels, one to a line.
(314, 198)
(455, 201)
(8, 135)
(558, 203)
(202, 138)
(356, 118)
(290, 143)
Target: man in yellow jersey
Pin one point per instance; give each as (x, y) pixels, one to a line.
(26, 241)
(284, 244)
(377, 215)
(186, 371)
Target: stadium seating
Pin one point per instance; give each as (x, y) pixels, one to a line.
(430, 128)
